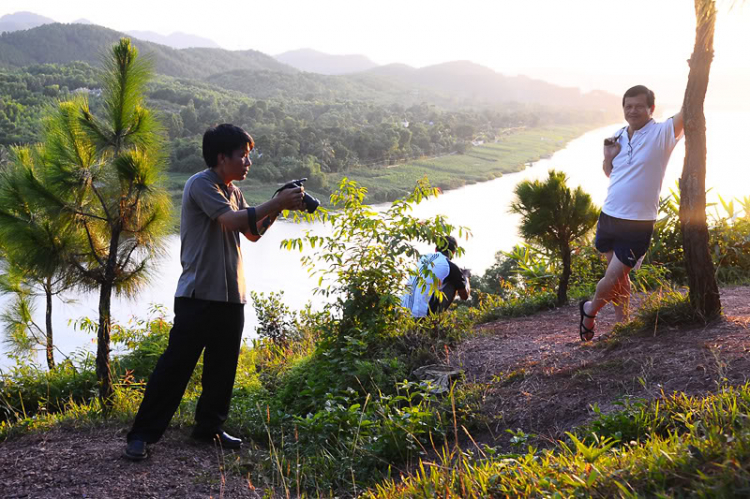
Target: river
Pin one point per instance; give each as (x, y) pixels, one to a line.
(481, 207)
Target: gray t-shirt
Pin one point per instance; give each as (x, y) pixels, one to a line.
(209, 253)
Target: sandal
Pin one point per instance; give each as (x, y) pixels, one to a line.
(586, 333)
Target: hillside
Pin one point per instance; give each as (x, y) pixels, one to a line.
(465, 81)
(65, 43)
(315, 87)
(457, 84)
(318, 62)
(533, 374)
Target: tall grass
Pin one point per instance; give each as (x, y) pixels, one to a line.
(681, 447)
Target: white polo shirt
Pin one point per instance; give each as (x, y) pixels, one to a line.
(638, 171)
(417, 298)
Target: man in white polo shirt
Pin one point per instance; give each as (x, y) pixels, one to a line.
(635, 161)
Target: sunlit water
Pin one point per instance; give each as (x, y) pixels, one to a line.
(481, 207)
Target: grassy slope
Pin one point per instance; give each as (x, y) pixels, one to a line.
(479, 164)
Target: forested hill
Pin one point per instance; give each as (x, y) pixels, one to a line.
(305, 124)
(64, 43)
(467, 82)
(457, 85)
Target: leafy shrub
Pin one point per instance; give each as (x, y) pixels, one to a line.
(276, 321)
(28, 390)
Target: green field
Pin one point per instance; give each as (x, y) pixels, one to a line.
(479, 164)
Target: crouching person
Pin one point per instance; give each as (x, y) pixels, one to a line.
(451, 281)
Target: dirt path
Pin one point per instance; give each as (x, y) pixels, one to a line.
(533, 373)
(536, 374)
(68, 462)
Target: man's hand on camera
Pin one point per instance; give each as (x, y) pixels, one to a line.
(611, 150)
(291, 199)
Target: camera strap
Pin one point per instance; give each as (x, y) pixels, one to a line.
(252, 221)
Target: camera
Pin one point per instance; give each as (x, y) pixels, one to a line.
(311, 203)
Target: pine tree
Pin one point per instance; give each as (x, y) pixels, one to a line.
(554, 216)
(33, 249)
(100, 178)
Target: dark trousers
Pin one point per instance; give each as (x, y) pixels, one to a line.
(198, 325)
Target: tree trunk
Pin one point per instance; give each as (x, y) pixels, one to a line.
(49, 347)
(562, 289)
(103, 373)
(704, 291)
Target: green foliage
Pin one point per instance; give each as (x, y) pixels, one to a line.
(553, 216)
(346, 408)
(33, 248)
(666, 307)
(94, 189)
(729, 239)
(62, 44)
(363, 265)
(276, 322)
(521, 281)
(683, 446)
(27, 391)
(337, 132)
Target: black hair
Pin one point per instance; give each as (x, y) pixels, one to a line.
(640, 90)
(448, 247)
(224, 139)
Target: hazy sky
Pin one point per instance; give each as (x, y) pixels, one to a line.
(603, 44)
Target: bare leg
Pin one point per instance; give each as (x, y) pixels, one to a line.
(621, 295)
(615, 282)
(622, 301)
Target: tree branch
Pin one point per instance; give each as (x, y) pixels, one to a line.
(94, 250)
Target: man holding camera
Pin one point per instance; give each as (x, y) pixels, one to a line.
(210, 297)
(635, 160)
(451, 281)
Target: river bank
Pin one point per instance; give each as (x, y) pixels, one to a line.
(509, 153)
(483, 207)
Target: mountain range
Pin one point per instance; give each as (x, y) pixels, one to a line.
(318, 62)
(453, 84)
(28, 20)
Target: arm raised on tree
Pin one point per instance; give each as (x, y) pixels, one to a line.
(679, 125)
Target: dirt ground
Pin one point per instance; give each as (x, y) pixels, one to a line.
(88, 463)
(538, 376)
(534, 373)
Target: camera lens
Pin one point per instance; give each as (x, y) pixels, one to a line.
(311, 203)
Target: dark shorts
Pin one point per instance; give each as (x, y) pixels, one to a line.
(629, 239)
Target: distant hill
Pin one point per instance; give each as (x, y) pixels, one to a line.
(465, 81)
(63, 43)
(22, 20)
(453, 85)
(313, 61)
(176, 40)
(323, 88)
